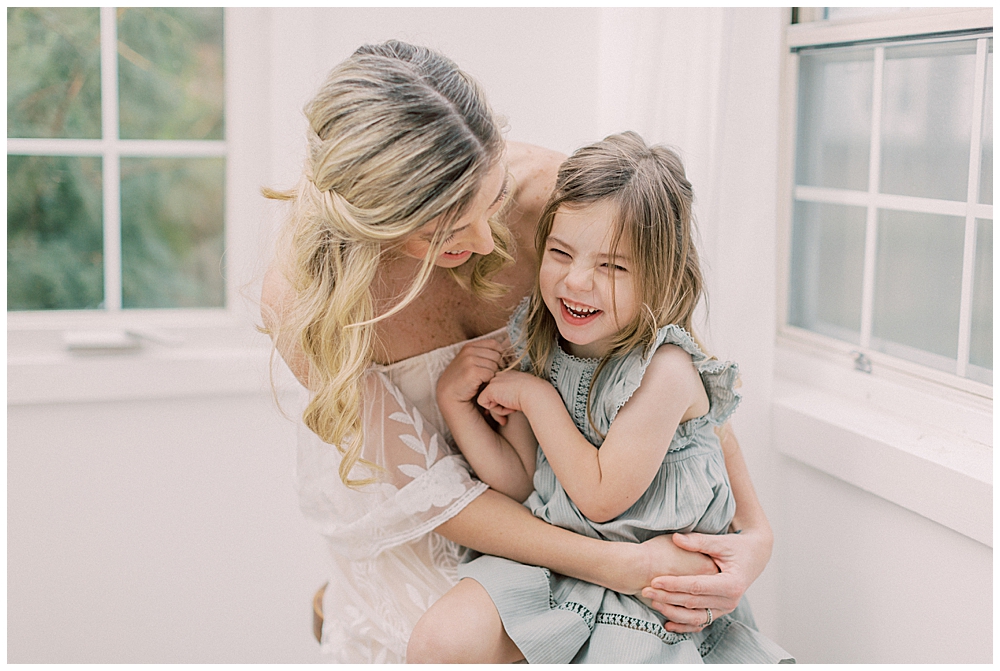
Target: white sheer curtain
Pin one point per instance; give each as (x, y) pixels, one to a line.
(705, 81)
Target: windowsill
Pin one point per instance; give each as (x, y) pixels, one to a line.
(929, 453)
(199, 363)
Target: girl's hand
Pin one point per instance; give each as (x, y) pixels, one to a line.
(682, 599)
(503, 395)
(474, 365)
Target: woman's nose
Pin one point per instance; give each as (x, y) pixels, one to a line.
(480, 238)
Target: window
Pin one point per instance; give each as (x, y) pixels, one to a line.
(172, 192)
(883, 364)
(892, 217)
(116, 159)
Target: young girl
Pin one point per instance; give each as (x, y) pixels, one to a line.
(621, 400)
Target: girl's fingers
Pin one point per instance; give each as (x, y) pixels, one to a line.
(487, 345)
(688, 620)
(498, 417)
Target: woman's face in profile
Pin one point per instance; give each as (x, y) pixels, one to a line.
(471, 233)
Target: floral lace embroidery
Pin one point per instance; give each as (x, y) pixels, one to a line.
(437, 486)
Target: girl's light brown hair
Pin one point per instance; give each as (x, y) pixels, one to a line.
(399, 137)
(652, 201)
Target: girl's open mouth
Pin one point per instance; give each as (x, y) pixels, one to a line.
(578, 314)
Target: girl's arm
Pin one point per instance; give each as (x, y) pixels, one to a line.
(505, 467)
(605, 483)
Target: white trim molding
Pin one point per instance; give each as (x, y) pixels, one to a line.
(928, 453)
(887, 26)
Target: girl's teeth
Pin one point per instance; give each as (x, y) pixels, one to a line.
(580, 312)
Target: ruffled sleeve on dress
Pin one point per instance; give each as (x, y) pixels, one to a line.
(421, 480)
(719, 377)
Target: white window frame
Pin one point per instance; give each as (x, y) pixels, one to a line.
(159, 353)
(914, 435)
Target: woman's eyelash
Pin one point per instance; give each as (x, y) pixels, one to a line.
(503, 194)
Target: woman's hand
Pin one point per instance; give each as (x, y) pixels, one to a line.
(682, 599)
(635, 565)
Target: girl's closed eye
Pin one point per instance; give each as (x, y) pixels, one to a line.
(614, 267)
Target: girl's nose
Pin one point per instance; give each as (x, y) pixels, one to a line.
(580, 278)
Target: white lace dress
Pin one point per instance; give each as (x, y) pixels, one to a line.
(387, 567)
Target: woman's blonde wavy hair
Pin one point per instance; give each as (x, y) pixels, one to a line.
(653, 218)
(398, 137)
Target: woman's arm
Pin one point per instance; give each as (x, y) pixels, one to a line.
(276, 294)
(740, 556)
(494, 524)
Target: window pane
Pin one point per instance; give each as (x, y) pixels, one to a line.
(172, 232)
(927, 119)
(54, 234)
(981, 349)
(986, 160)
(53, 72)
(834, 118)
(170, 73)
(918, 284)
(828, 249)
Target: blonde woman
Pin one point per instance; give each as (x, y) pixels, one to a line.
(410, 234)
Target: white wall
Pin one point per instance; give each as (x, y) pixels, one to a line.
(539, 67)
(163, 531)
(864, 581)
(167, 530)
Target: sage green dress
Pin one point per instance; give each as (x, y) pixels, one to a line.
(556, 619)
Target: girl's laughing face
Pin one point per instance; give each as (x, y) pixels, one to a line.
(575, 279)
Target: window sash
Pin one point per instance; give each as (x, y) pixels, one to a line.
(111, 148)
(872, 200)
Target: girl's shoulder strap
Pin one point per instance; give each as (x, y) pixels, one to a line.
(719, 377)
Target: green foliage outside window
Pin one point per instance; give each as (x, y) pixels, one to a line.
(171, 238)
(54, 236)
(53, 72)
(170, 73)
(170, 87)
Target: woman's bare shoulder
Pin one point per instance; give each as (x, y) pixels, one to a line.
(533, 170)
